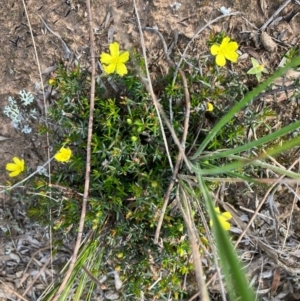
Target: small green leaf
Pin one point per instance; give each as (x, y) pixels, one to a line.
(257, 69)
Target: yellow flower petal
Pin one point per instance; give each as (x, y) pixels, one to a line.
(232, 46)
(114, 62)
(114, 49)
(224, 43)
(231, 56)
(109, 68)
(226, 215)
(14, 173)
(19, 162)
(10, 167)
(215, 49)
(121, 69)
(16, 168)
(63, 155)
(209, 107)
(106, 58)
(227, 50)
(124, 57)
(223, 219)
(51, 81)
(220, 60)
(225, 225)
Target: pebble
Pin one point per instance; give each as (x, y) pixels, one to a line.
(267, 42)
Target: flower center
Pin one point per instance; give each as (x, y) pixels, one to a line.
(222, 51)
(116, 60)
(261, 67)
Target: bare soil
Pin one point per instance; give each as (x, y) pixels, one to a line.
(112, 21)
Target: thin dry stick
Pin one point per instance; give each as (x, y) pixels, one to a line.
(12, 292)
(183, 138)
(193, 240)
(37, 276)
(260, 205)
(46, 112)
(192, 180)
(213, 248)
(158, 108)
(27, 178)
(32, 257)
(291, 217)
(148, 84)
(275, 14)
(42, 85)
(275, 91)
(94, 279)
(88, 157)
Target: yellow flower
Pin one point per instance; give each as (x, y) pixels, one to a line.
(115, 61)
(223, 218)
(15, 168)
(51, 81)
(63, 155)
(225, 51)
(209, 107)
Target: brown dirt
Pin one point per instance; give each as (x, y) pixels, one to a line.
(18, 65)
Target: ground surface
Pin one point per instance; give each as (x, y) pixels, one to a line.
(112, 21)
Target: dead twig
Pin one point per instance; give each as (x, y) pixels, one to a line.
(12, 291)
(160, 112)
(187, 216)
(94, 279)
(67, 51)
(32, 257)
(275, 91)
(45, 112)
(296, 199)
(148, 84)
(193, 181)
(37, 276)
(42, 85)
(275, 14)
(88, 157)
(260, 205)
(184, 134)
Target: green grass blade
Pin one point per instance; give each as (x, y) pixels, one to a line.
(252, 144)
(232, 177)
(236, 282)
(248, 98)
(242, 161)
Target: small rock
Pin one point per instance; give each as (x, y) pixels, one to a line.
(267, 42)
